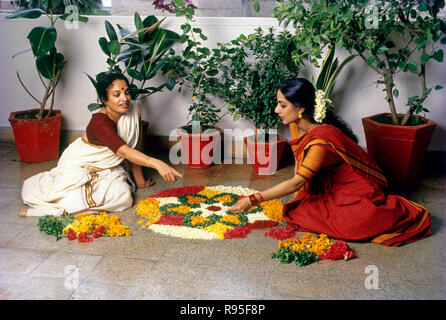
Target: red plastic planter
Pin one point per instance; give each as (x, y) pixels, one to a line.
(36, 140)
(265, 156)
(198, 149)
(398, 150)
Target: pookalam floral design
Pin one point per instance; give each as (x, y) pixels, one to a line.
(202, 212)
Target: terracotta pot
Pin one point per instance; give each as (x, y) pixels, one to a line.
(265, 156)
(198, 149)
(398, 150)
(36, 140)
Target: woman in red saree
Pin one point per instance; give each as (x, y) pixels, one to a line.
(339, 190)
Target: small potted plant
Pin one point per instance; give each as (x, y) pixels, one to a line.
(140, 55)
(253, 67)
(195, 71)
(392, 38)
(37, 131)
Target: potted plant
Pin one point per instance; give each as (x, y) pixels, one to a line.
(195, 71)
(253, 67)
(139, 55)
(37, 131)
(392, 38)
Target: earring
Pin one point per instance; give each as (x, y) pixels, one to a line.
(299, 115)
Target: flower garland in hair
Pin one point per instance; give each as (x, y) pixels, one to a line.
(320, 109)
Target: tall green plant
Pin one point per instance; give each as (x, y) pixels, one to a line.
(253, 67)
(391, 37)
(140, 54)
(49, 62)
(195, 70)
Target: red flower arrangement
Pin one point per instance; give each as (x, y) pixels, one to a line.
(338, 250)
(281, 233)
(172, 220)
(176, 192)
(213, 208)
(237, 232)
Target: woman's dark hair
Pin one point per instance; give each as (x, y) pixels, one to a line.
(301, 93)
(105, 80)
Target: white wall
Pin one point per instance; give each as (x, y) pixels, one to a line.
(355, 95)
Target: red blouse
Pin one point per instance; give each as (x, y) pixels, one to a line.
(102, 131)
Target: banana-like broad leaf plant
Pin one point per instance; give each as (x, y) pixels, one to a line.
(49, 62)
(139, 54)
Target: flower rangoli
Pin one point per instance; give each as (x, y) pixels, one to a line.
(200, 212)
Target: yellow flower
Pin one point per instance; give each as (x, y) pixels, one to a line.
(197, 220)
(89, 222)
(180, 209)
(195, 200)
(148, 207)
(231, 219)
(218, 228)
(273, 209)
(225, 198)
(208, 192)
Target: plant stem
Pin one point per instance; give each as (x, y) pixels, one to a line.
(26, 89)
(388, 81)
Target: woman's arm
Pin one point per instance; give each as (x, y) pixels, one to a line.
(279, 190)
(138, 158)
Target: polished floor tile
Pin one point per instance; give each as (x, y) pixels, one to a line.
(152, 266)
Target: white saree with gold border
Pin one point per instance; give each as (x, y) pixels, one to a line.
(87, 178)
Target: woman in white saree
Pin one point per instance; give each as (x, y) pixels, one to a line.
(88, 177)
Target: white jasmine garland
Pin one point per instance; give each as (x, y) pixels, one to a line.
(320, 109)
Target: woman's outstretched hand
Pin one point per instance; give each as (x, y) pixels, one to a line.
(242, 205)
(168, 173)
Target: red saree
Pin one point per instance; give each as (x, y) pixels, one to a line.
(347, 202)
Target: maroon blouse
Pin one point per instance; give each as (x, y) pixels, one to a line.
(102, 131)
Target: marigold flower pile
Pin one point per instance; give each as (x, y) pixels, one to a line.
(310, 248)
(95, 225)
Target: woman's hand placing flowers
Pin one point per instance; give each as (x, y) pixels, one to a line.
(245, 203)
(168, 173)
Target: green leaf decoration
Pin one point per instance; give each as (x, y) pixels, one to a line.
(438, 55)
(42, 39)
(170, 83)
(139, 25)
(110, 31)
(424, 58)
(48, 64)
(27, 14)
(135, 74)
(103, 43)
(412, 66)
(370, 60)
(256, 6)
(94, 106)
(114, 47)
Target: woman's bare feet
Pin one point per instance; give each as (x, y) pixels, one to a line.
(146, 184)
(22, 212)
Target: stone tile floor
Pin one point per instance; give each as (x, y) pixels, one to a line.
(146, 265)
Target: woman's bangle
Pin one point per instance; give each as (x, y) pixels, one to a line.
(260, 196)
(253, 199)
